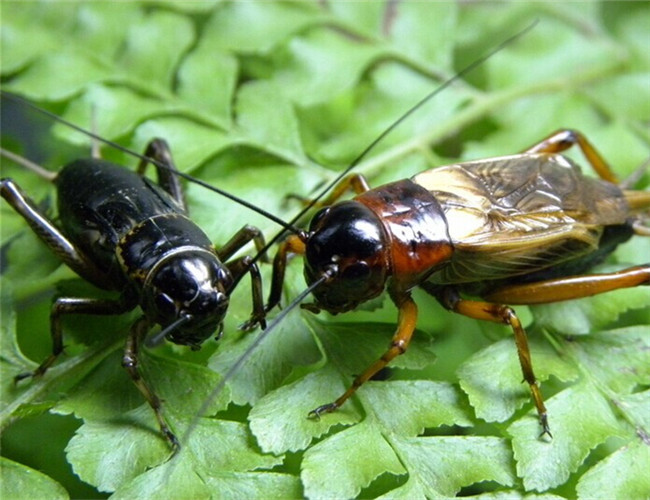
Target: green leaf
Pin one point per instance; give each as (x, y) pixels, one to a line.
(279, 420)
(103, 453)
(20, 482)
(636, 406)
(154, 46)
(323, 65)
(265, 99)
(184, 482)
(208, 141)
(356, 455)
(512, 494)
(579, 317)
(269, 119)
(492, 378)
(229, 27)
(107, 391)
(203, 70)
(414, 37)
(622, 474)
(441, 466)
(95, 107)
(581, 420)
(270, 364)
(626, 371)
(407, 407)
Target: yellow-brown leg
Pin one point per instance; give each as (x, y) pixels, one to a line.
(499, 313)
(356, 183)
(573, 287)
(562, 140)
(408, 313)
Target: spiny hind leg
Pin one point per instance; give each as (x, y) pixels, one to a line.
(159, 150)
(572, 287)
(561, 140)
(544, 292)
(499, 313)
(49, 234)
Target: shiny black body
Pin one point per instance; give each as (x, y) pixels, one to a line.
(127, 225)
(121, 231)
(99, 203)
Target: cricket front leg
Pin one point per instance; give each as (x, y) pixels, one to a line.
(292, 245)
(408, 313)
(130, 363)
(356, 183)
(239, 267)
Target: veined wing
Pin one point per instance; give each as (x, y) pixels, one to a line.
(518, 214)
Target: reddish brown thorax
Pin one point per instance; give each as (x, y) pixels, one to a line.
(417, 228)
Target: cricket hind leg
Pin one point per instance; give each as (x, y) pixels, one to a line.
(561, 140)
(572, 287)
(498, 313)
(541, 292)
(638, 201)
(51, 235)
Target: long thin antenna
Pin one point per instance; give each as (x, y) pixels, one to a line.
(94, 145)
(328, 274)
(232, 197)
(155, 340)
(467, 69)
(247, 353)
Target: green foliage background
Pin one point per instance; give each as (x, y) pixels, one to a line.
(264, 99)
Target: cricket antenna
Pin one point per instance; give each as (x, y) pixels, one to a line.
(467, 69)
(247, 353)
(330, 272)
(155, 340)
(96, 137)
(464, 71)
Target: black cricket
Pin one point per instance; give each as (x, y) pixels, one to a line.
(121, 231)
